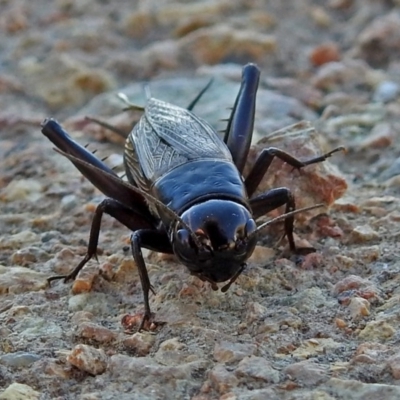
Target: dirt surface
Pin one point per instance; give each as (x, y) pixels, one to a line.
(323, 326)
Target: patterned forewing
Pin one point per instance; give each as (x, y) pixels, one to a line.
(167, 136)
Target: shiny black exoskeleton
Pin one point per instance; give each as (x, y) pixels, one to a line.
(186, 194)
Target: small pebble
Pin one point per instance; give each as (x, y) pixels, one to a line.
(19, 391)
(81, 316)
(222, 380)
(229, 352)
(68, 202)
(362, 234)
(261, 255)
(88, 359)
(377, 330)
(257, 370)
(325, 53)
(346, 205)
(340, 323)
(16, 241)
(381, 136)
(140, 343)
(321, 17)
(359, 308)
(358, 390)
(307, 373)
(23, 189)
(84, 281)
(19, 359)
(394, 365)
(386, 91)
(53, 367)
(363, 359)
(392, 170)
(20, 279)
(379, 201)
(90, 330)
(29, 255)
(78, 302)
(172, 352)
(348, 283)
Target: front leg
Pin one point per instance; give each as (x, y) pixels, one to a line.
(149, 239)
(274, 198)
(127, 216)
(265, 158)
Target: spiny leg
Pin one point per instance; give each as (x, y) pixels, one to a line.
(199, 95)
(265, 158)
(239, 131)
(274, 198)
(127, 216)
(137, 239)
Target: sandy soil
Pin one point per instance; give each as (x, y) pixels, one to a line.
(324, 326)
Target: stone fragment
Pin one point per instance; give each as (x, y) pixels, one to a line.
(211, 45)
(19, 359)
(314, 347)
(172, 352)
(20, 279)
(126, 271)
(88, 359)
(81, 316)
(230, 352)
(256, 369)
(22, 189)
(69, 202)
(22, 238)
(346, 204)
(340, 323)
(350, 282)
(363, 234)
(92, 331)
(324, 53)
(28, 256)
(357, 390)
(337, 75)
(391, 171)
(381, 136)
(140, 343)
(386, 91)
(146, 370)
(377, 330)
(78, 85)
(359, 308)
(363, 359)
(307, 373)
(291, 87)
(53, 367)
(394, 365)
(319, 183)
(321, 17)
(222, 380)
(370, 353)
(84, 281)
(366, 254)
(19, 391)
(326, 226)
(380, 201)
(378, 43)
(261, 255)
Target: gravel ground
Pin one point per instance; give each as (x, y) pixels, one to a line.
(323, 326)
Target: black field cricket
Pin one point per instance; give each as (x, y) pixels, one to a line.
(186, 194)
